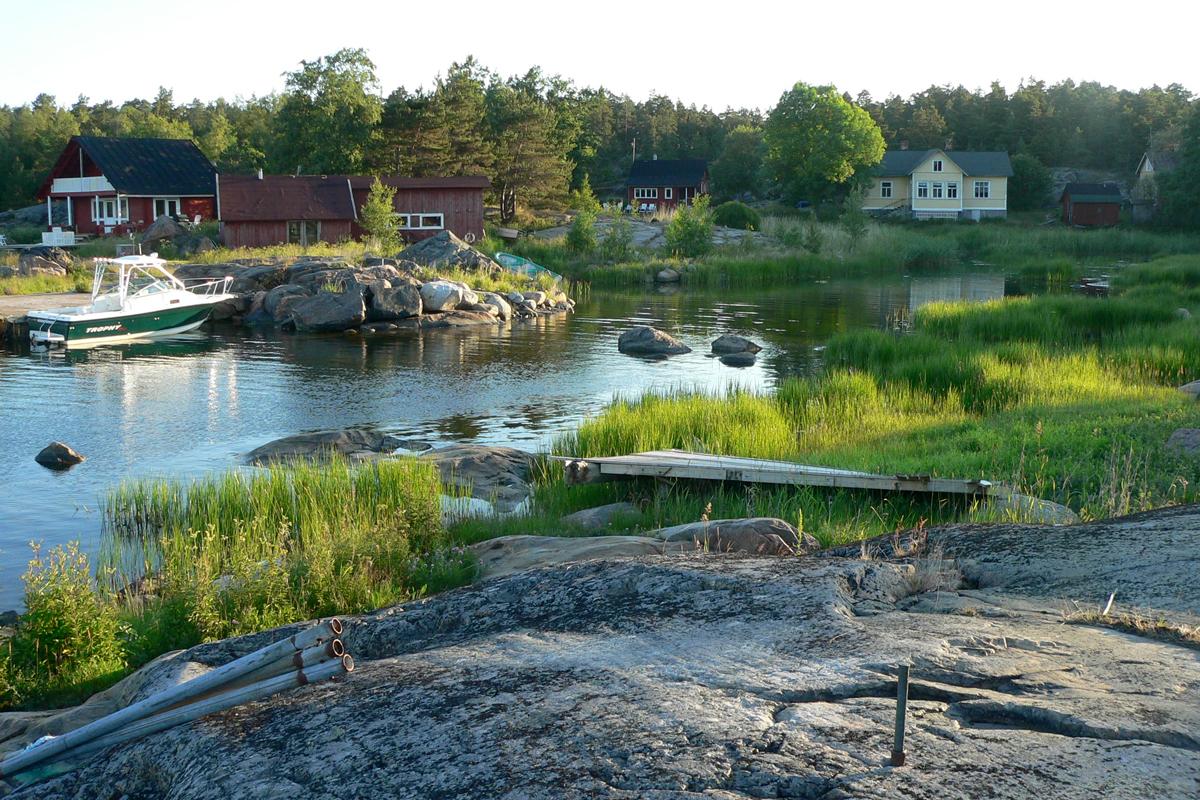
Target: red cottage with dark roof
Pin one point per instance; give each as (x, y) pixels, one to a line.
(115, 185)
(664, 183)
(1091, 204)
(305, 209)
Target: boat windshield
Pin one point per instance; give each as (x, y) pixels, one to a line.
(132, 276)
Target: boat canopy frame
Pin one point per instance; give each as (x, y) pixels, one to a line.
(130, 268)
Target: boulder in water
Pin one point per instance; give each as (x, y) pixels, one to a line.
(642, 340)
(58, 456)
(329, 311)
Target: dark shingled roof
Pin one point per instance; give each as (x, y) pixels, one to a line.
(1092, 192)
(277, 198)
(668, 172)
(151, 166)
(396, 182)
(972, 162)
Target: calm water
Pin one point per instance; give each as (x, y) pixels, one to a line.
(198, 403)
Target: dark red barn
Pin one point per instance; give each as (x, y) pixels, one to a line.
(115, 185)
(1091, 204)
(664, 183)
(278, 209)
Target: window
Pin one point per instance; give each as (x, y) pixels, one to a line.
(168, 206)
(922, 189)
(885, 189)
(937, 165)
(303, 232)
(952, 190)
(419, 221)
(937, 191)
(983, 189)
(668, 193)
(645, 194)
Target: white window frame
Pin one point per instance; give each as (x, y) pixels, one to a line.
(937, 165)
(668, 193)
(645, 193)
(923, 190)
(167, 203)
(938, 190)
(421, 220)
(120, 207)
(952, 190)
(303, 231)
(885, 189)
(983, 190)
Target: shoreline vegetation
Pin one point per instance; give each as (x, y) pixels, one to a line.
(1063, 397)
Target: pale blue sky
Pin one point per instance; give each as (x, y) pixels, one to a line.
(730, 53)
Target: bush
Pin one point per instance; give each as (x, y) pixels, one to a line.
(813, 239)
(583, 198)
(689, 233)
(737, 215)
(617, 244)
(581, 238)
(69, 635)
(378, 217)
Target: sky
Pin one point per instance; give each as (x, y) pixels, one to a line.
(729, 54)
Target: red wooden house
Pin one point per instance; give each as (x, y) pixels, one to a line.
(115, 185)
(305, 209)
(1091, 204)
(664, 183)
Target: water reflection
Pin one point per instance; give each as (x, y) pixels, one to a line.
(197, 403)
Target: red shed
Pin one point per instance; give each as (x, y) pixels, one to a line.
(1091, 204)
(276, 209)
(115, 185)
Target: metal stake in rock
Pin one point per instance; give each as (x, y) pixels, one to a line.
(901, 709)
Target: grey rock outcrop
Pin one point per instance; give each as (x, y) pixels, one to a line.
(1185, 441)
(321, 445)
(58, 456)
(508, 554)
(441, 296)
(447, 250)
(163, 228)
(757, 535)
(44, 260)
(1191, 389)
(497, 474)
(397, 302)
(601, 517)
(329, 311)
(667, 275)
(642, 340)
(724, 677)
(274, 298)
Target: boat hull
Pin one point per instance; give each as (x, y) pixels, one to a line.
(118, 328)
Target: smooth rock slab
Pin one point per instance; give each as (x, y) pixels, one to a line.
(757, 535)
(642, 340)
(321, 445)
(58, 456)
(601, 517)
(508, 554)
(497, 474)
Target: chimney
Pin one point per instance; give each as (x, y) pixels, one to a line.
(260, 173)
(904, 144)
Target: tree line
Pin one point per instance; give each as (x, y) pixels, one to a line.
(538, 136)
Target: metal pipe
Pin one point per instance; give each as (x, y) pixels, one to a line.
(901, 709)
(170, 697)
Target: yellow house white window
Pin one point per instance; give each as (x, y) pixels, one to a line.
(952, 190)
(937, 190)
(885, 189)
(922, 189)
(937, 165)
(983, 189)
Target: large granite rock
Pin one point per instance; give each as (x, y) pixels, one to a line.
(508, 554)
(601, 517)
(274, 298)
(642, 340)
(163, 228)
(395, 302)
(496, 474)
(447, 250)
(441, 296)
(329, 311)
(731, 343)
(725, 677)
(758, 535)
(44, 261)
(321, 445)
(458, 319)
(503, 308)
(58, 456)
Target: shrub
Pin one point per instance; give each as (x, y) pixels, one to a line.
(737, 215)
(379, 217)
(690, 231)
(581, 238)
(617, 244)
(813, 239)
(583, 198)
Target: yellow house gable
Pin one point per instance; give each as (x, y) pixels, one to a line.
(938, 186)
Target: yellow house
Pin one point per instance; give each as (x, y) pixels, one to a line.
(940, 184)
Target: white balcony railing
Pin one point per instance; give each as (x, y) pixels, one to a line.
(70, 185)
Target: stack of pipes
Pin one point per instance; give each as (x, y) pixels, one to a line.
(311, 655)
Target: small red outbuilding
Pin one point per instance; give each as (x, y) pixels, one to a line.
(305, 209)
(1091, 204)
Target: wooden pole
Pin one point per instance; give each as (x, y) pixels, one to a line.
(901, 709)
(151, 705)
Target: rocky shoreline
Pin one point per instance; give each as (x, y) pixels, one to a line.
(708, 675)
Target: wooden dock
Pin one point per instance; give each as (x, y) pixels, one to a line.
(14, 307)
(681, 464)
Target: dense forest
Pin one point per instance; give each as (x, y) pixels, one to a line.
(538, 136)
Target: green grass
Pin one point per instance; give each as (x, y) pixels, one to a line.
(227, 555)
(45, 284)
